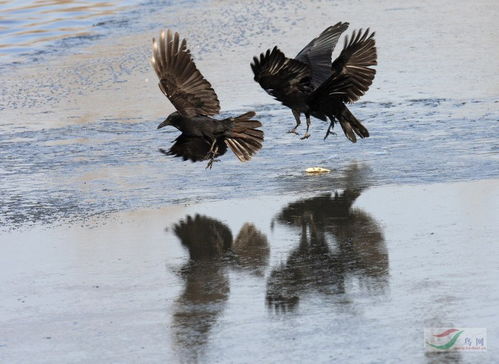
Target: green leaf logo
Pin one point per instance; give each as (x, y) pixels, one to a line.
(449, 344)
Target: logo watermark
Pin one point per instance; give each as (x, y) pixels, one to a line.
(455, 339)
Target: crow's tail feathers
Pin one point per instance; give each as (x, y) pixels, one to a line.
(244, 139)
(351, 125)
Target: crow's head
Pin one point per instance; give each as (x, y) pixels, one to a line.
(172, 120)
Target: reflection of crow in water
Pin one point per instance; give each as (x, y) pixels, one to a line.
(202, 136)
(313, 265)
(204, 237)
(206, 290)
(207, 238)
(312, 85)
(251, 250)
(206, 284)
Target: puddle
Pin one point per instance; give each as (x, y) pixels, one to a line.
(356, 273)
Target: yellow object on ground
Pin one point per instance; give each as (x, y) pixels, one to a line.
(317, 170)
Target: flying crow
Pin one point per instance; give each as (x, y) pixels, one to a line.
(203, 137)
(312, 85)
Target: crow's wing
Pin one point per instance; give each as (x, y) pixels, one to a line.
(317, 53)
(192, 148)
(358, 54)
(337, 87)
(180, 80)
(281, 76)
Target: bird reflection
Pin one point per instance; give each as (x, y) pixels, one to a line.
(251, 250)
(340, 248)
(211, 251)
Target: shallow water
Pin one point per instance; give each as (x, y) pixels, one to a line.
(27, 26)
(78, 131)
(78, 171)
(349, 266)
(32, 30)
(352, 275)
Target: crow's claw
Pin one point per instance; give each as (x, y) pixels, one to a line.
(210, 163)
(329, 132)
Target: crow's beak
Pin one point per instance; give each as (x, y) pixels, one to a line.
(164, 123)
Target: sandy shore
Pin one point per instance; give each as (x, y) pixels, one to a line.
(124, 290)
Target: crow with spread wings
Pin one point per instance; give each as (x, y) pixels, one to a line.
(203, 137)
(312, 85)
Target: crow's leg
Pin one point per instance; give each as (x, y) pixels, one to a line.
(212, 155)
(212, 146)
(307, 135)
(330, 128)
(296, 114)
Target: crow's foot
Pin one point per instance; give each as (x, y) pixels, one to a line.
(327, 134)
(210, 163)
(211, 155)
(306, 136)
(330, 129)
(293, 131)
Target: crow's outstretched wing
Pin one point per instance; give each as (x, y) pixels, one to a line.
(358, 54)
(281, 76)
(193, 148)
(317, 53)
(180, 80)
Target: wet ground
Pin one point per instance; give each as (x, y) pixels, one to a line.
(348, 266)
(352, 276)
(81, 170)
(77, 127)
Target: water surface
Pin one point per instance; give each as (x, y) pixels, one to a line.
(26, 27)
(113, 252)
(355, 273)
(78, 131)
(82, 170)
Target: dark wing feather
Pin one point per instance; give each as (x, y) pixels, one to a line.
(193, 148)
(358, 54)
(337, 87)
(317, 53)
(180, 80)
(281, 76)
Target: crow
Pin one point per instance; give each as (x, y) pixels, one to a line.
(312, 85)
(202, 137)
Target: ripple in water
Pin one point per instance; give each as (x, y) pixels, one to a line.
(26, 27)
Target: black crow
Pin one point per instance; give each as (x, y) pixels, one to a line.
(203, 137)
(312, 85)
